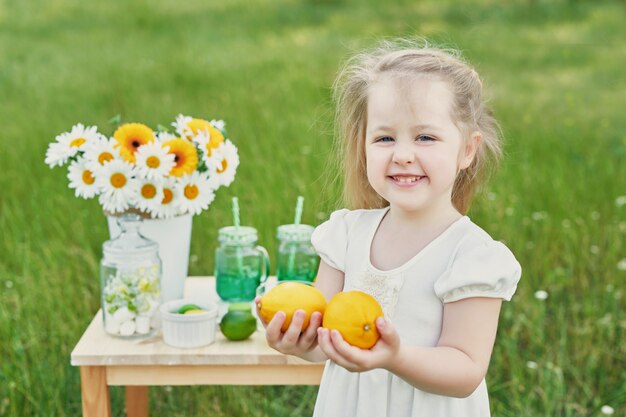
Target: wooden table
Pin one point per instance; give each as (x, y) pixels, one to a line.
(136, 364)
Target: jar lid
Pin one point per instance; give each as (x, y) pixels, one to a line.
(233, 235)
(295, 232)
(130, 243)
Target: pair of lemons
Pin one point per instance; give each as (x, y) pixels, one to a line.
(352, 313)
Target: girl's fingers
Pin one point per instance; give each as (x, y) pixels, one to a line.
(310, 334)
(387, 332)
(257, 301)
(342, 353)
(326, 344)
(272, 331)
(349, 353)
(340, 345)
(292, 334)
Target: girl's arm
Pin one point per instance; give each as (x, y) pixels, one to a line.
(455, 367)
(294, 341)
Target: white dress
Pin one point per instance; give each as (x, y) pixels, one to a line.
(462, 262)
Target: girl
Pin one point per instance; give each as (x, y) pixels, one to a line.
(416, 142)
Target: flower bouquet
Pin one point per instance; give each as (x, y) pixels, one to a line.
(160, 174)
(166, 176)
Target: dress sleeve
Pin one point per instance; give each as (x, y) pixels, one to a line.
(330, 240)
(488, 270)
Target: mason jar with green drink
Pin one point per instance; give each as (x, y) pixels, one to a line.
(296, 258)
(240, 265)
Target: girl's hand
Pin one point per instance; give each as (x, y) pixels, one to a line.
(294, 341)
(355, 359)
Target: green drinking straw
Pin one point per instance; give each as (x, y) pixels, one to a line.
(296, 220)
(237, 223)
(299, 205)
(236, 212)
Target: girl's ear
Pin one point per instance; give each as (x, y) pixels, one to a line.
(471, 147)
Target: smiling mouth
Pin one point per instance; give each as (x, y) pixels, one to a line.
(405, 179)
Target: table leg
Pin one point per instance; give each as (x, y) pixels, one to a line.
(136, 401)
(95, 391)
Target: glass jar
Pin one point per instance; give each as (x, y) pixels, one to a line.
(240, 265)
(296, 259)
(130, 276)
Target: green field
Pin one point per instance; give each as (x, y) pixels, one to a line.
(555, 74)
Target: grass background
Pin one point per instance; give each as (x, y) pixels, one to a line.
(555, 73)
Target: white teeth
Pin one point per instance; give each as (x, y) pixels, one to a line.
(406, 180)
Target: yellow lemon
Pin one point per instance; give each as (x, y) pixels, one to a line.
(354, 314)
(289, 297)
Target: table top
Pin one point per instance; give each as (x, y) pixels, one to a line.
(97, 348)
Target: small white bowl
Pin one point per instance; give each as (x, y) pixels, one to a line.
(188, 330)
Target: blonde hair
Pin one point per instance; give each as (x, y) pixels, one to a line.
(403, 58)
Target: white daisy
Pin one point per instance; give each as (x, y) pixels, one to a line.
(82, 179)
(148, 195)
(219, 124)
(223, 163)
(539, 215)
(118, 187)
(100, 151)
(69, 144)
(167, 207)
(182, 126)
(201, 139)
(607, 410)
(164, 136)
(153, 161)
(196, 193)
(57, 153)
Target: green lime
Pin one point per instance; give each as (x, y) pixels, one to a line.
(238, 325)
(194, 311)
(188, 307)
(239, 307)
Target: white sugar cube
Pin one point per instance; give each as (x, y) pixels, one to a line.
(112, 325)
(155, 321)
(154, 304)
(123, 314)
(143, 324)
(127, 328)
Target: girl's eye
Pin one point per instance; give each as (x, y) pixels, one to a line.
(385, 139)
(424, 138)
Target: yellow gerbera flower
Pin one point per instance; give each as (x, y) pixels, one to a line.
(215, 140)
(130, 136)
(199, 126)
(185, 156)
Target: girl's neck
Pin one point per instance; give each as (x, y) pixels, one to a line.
(401, 235)
(431, 218)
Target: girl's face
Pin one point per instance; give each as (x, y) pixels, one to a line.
(413, 149)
